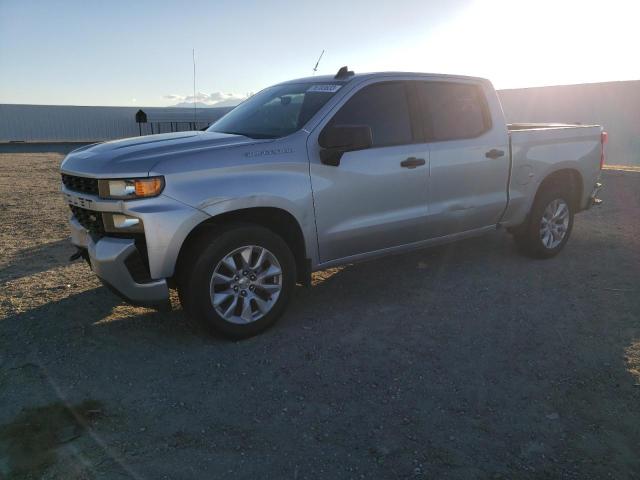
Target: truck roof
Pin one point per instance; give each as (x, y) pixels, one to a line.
(366, 76)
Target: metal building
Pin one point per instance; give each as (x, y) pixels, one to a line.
(614, 105)
(63, 123)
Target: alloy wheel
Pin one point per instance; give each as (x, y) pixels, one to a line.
(246, 284)
(555, 223)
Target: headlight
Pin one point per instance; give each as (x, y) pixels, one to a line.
(131, 188)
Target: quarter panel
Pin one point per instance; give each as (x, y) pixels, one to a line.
(538, 153)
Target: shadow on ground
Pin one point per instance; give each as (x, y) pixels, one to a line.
(465, 361)
(39, 258)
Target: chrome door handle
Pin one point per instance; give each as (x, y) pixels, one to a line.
(412, 162)
(494, 153)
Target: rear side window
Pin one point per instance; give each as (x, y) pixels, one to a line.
(382, 106)
(453, 110)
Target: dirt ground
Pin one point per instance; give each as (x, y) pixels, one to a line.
(463, 362)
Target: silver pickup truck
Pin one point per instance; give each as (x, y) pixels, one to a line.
(319, 172)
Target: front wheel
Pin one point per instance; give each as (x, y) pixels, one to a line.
(549, 225)
(238, 281)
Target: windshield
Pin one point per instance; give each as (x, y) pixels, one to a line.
(276, 111)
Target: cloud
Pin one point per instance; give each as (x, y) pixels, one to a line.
(215, 99)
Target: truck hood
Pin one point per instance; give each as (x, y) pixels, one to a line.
(136, 156)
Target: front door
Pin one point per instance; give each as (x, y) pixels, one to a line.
(376, 198)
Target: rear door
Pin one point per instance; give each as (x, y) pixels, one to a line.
(374, 199)
(469, 156)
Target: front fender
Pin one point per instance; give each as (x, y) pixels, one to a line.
(300, 209)
(272, 174)
(167, 223)
(285, 187)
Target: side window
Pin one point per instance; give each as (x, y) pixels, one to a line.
(384, 108)
(453, 110)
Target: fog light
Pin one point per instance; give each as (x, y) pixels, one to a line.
(120, 223)
(124, 221)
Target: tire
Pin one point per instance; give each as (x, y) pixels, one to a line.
(545, 235)
(249, 293)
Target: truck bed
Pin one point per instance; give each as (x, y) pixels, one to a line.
(539, 148)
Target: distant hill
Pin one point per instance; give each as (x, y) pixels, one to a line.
(231, 102)
(190, 105)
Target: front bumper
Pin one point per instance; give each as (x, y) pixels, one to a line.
(107, 257)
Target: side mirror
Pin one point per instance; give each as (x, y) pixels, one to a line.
(338, 139)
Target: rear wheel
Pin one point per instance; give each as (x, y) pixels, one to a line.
(549, 225)
(237, 281)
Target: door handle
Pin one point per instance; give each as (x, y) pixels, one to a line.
(412, 162)
(494, 153)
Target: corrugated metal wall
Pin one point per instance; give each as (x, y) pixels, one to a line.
(614, 105)
(62, 123)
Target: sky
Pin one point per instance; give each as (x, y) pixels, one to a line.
(130, 53)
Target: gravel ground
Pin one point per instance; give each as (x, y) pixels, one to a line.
(466, 361)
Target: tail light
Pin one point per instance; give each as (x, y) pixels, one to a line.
(604, 138)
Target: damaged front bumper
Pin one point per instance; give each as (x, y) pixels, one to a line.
(108, 259)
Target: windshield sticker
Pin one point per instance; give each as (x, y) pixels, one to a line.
(324, 88)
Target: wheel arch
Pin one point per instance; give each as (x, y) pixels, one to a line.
(278, 220)
(565, 178)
